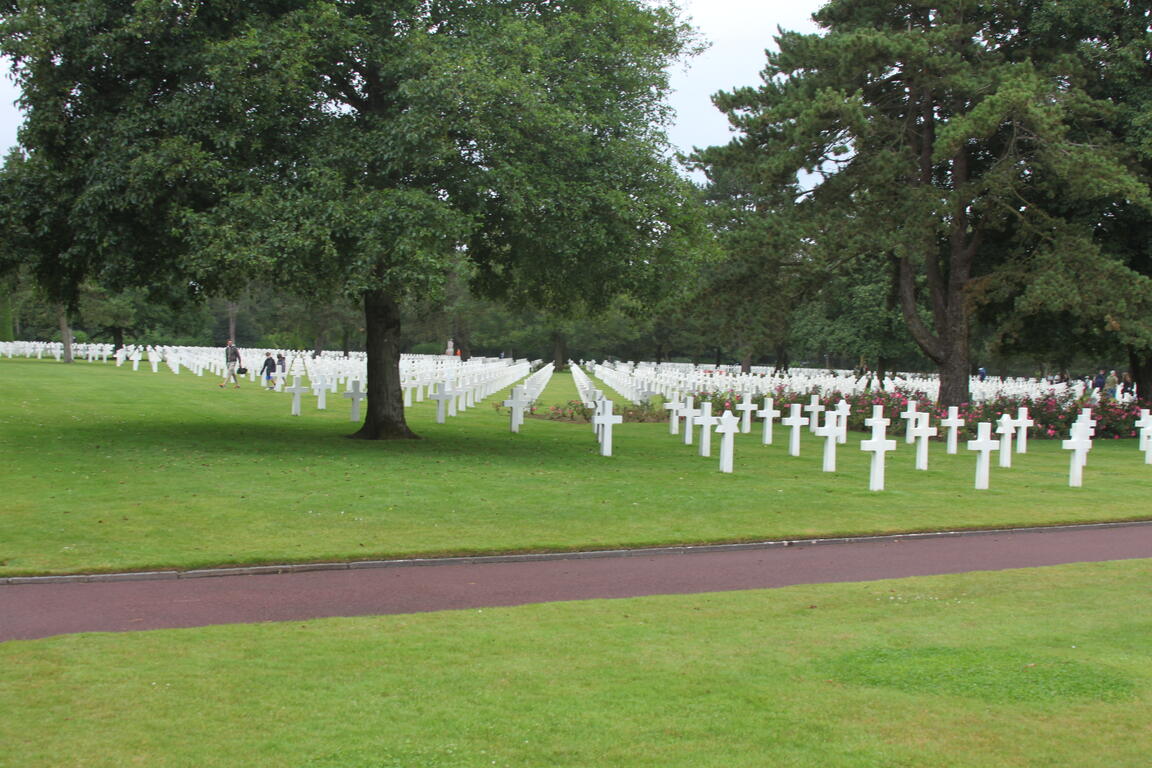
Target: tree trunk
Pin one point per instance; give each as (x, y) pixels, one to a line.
(462, 336)
(560, 351)
(117, 337)
(7, 331)
(65, 334)
(781, 359)
(746, 363)
(1141, 369)
(384, 411)
(659, 352)
(233, 308)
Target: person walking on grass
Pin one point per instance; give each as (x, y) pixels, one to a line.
(269, 370)
(232, 361)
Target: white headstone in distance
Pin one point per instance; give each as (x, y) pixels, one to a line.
(605, 420)
(1006, 428)
(769, 414)
(320, 390)
(705, 420)
(689, 419)
(814, 409)
(727, 429)
(675, 409)
(746, 407)
(879, 445)
(1144, 424)
(796, 422)
(1023, 422)
(843, 411)
(921, 431)
(1080, 442)
(954, 424)
(830, 431)
(909, 416)
(984, 444)
(443, 395)
(516, 404)
(355, 395)
(296, 389)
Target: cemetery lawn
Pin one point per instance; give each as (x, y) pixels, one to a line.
(106, 469)
(1047, 666)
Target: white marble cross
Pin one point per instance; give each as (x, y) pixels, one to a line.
(1079, 442)
(675, 408)
(517, 403)
(954, 424)
(443, 396)
(355, 395)
(879, 445)
(769, 414)
(296, 389)
(796, 422)
(1006, 428)
(705, 420)
(910, 417)
(689, 419)
(1144, 424)
(921, 431)
(843, 410)
(830, 431)
(1023, 422)
(605, 420)
(1089, 427)
(320, 390)
(814, 409)
(727, 429)
(746, 407)
(985, 445)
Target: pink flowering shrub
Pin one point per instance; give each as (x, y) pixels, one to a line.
(1053, 415)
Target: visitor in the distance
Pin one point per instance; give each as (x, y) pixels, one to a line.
(231, 361)
(269, 370)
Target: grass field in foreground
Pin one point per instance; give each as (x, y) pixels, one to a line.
(103, 468)
(1038, 667)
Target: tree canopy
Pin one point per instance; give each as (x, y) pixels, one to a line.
(973, 145)
(367, 147)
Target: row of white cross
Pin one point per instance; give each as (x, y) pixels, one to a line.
(636, 380)
(524, 395)
(834, 429)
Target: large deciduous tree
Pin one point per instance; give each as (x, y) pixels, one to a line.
(957, 139)
(368, 147)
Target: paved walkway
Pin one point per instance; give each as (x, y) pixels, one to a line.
(43, 609)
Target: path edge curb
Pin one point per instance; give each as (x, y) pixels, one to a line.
(685, 549)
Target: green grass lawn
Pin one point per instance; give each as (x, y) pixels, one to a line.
(1036, 667)
(106, 469)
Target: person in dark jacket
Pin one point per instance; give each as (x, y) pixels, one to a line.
(269, 370)
(232, 361)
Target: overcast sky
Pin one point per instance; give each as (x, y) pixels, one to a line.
(738, 31)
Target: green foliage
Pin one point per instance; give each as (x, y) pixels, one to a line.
(985, 149)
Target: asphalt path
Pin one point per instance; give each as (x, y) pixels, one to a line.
(44, 609)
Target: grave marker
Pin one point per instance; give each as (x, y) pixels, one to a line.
(879, 445)
(727, 429)
(746, 407)
(1079, 442)
(1006, 428)
(814, 409)
(796, 422)
(830, 431)
(705, 420)
(296, 389)
(921, 431)
(769, 414)
(1023, 422)
(954, 424)
(985, 445)
(605, 420)
(675, 409)
(910, 417)
(355, 395)
(517, 403)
